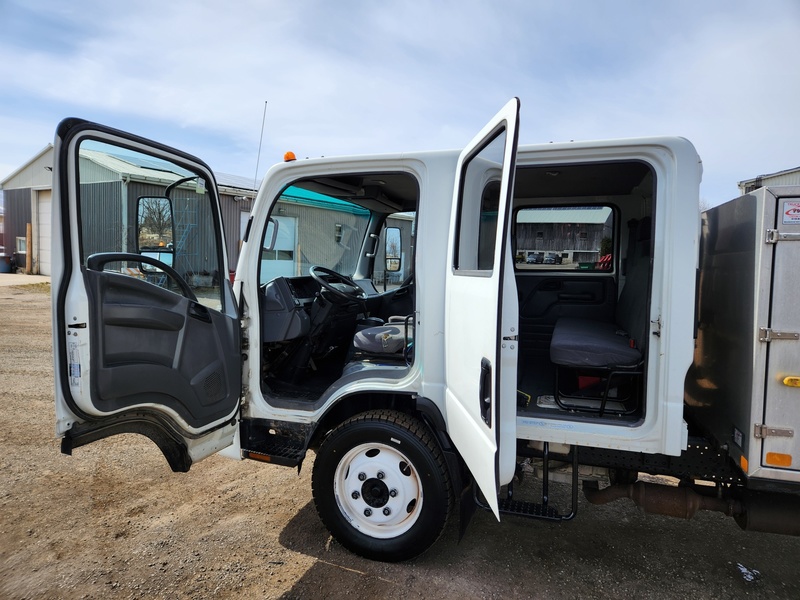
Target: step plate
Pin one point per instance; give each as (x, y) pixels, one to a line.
(286, 455)
(527, 509)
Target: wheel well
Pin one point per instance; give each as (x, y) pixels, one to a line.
(416, 406)
(359, 403)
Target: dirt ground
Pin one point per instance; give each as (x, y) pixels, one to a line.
(113, 521)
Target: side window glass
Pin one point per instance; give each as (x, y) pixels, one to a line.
(478, 208)
(393, 261)
(154, 212)
(565, 238)
(278, 252)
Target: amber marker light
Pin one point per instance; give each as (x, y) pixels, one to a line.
(776, 459)
(743, 463)
(257, 456)
(289, 156)
(792, 381)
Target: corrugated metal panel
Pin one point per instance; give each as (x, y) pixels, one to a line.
(317, 237)
(105, 230)
(120, 166)
(195, 241)
(788, 178)
(17, 216)
(101, 218)
(92, 172)
(559, 237)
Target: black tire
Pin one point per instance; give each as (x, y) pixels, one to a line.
(381, 486)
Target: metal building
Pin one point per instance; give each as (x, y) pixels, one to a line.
(787, 177)
(310, 225)
(27, 196)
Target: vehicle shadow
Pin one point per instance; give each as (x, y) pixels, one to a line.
(338, 573)
(613, 551)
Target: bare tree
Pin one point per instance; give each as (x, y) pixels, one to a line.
(155, 220)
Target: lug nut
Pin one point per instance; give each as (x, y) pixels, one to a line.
(381, 475)
(355, 495)
(393, 493)
(387, 511)
(362, 476)
(367, 512)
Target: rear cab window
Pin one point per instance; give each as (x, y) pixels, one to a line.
(565, 238)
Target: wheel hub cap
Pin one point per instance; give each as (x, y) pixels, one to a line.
(378, 490)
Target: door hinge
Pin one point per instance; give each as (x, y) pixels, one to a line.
(774, 236)
(656, 327)
(765, 334)
(762, 431)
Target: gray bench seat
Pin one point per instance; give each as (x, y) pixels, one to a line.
(584, 343)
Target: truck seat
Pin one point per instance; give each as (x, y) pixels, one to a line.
(603, 349)
(394, 337)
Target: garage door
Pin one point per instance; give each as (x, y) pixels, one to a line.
(43, 246)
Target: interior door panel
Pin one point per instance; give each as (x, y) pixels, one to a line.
(151, 345)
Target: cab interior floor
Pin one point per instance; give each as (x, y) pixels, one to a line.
(536, 377)
(309, 387)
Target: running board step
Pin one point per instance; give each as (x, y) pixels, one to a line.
(274, 442)
(533, 510)
(284, 454)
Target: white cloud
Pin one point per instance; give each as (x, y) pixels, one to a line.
(369, 77)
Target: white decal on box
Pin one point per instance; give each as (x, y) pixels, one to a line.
(791, 212)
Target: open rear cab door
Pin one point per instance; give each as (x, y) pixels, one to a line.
(481, 312)
(146, 334)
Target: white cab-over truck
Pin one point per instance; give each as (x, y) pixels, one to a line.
(431, 323)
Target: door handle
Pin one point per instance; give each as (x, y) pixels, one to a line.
(485, 391)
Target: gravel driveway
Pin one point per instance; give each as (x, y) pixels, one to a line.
(113, 521)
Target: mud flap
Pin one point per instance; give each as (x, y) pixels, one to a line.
(467, 506)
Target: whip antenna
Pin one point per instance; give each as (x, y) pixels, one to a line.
(260, 141)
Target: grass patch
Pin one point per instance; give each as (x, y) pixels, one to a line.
(41, 288)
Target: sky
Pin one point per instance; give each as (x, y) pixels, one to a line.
(351, 77)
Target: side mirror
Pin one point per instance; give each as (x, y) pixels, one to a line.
(271, 235)
(393, 249)
(155, 229)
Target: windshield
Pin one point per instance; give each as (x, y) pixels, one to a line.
(313, 229)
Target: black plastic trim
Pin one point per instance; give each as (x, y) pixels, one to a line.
(171, 445)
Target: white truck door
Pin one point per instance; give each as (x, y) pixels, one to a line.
(481, 311)
(782, 449)
(145, 326)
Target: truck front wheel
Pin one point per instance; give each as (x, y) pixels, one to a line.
(381, 486)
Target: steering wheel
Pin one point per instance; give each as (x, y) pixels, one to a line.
(351, 294)
(96, 261)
